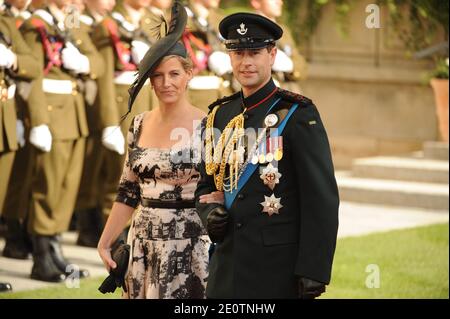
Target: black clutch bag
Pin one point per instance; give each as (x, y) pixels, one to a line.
(120, 254)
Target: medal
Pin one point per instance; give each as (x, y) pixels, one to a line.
(278, 155)
(262, 156)
(269, 155)
(271, 205)
(270, 176)
(271, 120)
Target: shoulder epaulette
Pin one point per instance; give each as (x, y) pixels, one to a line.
(223, 100)
(293, 97)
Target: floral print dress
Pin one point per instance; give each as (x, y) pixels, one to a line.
(169, 247)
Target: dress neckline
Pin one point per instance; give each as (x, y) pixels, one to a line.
(161, 149)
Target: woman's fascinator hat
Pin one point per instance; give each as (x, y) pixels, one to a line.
(167, 44)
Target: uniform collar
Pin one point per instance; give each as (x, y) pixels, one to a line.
(261, 96)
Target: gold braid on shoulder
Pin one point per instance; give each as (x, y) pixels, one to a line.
(226, 151)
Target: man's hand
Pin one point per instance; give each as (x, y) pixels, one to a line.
(112, 139)
(309, 289)
(283, 63)
(220, 63)
(20, 131)
(7, 57)
(138, 50)
(75, 61)
(216, 224)
(41, 138)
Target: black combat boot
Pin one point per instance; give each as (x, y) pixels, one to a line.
(43, 266)
(61, 263)
(5, 287)
(90, 227)
(18, 243)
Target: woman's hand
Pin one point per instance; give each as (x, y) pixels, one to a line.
(105, 255)
(214, 197)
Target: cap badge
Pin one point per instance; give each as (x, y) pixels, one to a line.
(243, 30)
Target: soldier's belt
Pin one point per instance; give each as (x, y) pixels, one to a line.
(126, 78)
(172, 204)
(58, 86)
(205, 82)
(7, 93)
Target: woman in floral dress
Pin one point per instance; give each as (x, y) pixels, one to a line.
(169, 246)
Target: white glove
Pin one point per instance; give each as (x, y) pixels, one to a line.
(7, 57)
(112, 139)
(220, 63)
(20, 131)
(283, 63)
(138, 50)
(73, 59)
(41, 137)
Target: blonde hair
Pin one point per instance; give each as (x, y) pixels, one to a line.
(185, 62)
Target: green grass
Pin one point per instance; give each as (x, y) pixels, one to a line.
(413, 263)
(88, 290)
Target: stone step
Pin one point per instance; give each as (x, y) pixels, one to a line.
(436, 150)
(392, 192)
(402, 168)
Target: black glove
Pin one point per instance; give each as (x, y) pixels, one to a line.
(309, 289)
(120, 254)
(216, 224)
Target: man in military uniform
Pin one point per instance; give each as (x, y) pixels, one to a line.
(16, 62)
(58, 131)
(275, 232)
(290, 66)
(212, 67)
(17, 244)
(122, 39)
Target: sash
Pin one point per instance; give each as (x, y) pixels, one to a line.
(250, 169)
(200, 63)
(52, 50)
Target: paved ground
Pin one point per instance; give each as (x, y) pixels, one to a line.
(355, 220)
